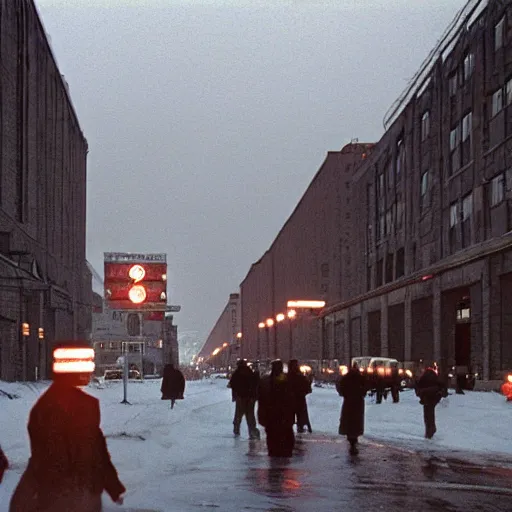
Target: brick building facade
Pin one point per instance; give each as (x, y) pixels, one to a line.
(45, 286)
(222, 347)
(409, 241)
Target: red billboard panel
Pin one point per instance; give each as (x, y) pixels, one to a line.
(132, 282)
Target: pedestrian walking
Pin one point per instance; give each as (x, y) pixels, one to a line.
(430, 390)
(301, 386)
(244, 388)
(4, 464)
(70, 465)
(275, 411)
(173, 384)
(352, 387)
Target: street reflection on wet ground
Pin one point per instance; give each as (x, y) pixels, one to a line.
(322, 476)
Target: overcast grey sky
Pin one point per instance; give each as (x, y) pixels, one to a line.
(207, 120)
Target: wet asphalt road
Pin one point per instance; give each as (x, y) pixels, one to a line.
(322, 476)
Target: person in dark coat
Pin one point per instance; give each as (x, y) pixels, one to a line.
(244, 387)
(276, 412)
(352, 387)
(4, 464)
(301, 386)
(430, 390)
(70, 465)
(173, 384)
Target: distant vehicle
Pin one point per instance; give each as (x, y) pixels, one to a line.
(118, 375)
(383, 376)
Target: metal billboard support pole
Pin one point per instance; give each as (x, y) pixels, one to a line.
(125, 379)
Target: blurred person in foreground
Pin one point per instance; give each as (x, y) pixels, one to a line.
(244, 387)
(276, 412)
(430, 389)
(301, 386)
(4, 464)
(70, 465)
(352, 387)
(173, 384)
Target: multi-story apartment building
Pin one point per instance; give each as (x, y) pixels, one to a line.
(45, 285)
(409, 241)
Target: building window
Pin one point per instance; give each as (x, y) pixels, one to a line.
(391, 175)
(499, 33)
(400, 262)
(497, 102)
(425, 125)
(467, 126)
(380, 273)
(382, 226)
(455, 149)
(399, 214)
(454, 214)
(452, 84)
(424, 190)
(469, 66)
(467, 129)
(467, 207)
(389, 267)
(467, 212)
(400, 158)
(508, 92)
(380, 185)
(497, 190)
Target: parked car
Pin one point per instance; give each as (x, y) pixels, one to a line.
(384, 375)
(118, 375)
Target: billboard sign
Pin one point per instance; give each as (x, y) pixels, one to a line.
(136, 281)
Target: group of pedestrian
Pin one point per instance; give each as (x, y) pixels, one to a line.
(353, 388)
(281, 399)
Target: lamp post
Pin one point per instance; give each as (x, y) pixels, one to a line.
(291, 316)
(269, 323)
(261, 326)
(279, 318)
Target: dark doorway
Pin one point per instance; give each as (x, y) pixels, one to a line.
(463, 333)
(463, 344)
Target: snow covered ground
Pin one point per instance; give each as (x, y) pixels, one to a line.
(151, 444)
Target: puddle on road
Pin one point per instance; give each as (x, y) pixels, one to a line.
(279, 481)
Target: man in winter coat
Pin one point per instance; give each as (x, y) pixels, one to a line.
(173, 384)
(430, 390)
(275, 411)
(244, 387)
(352, 387)
(301, 386)
(70, 465)
(4, 464)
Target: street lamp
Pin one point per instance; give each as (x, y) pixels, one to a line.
(279, 318)
(291, 316)
(261, 326)
(269, 323)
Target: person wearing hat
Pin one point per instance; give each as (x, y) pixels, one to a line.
(276, 411)
(430, 390)
(70, 465)
(244, 388)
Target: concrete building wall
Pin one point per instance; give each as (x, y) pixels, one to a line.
(223, 336)
(42, 200)
(304, 262)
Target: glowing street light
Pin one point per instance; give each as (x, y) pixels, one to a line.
(270, 322)
(280, 317)
(239, 335)
(291, 314)
(306, 304)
